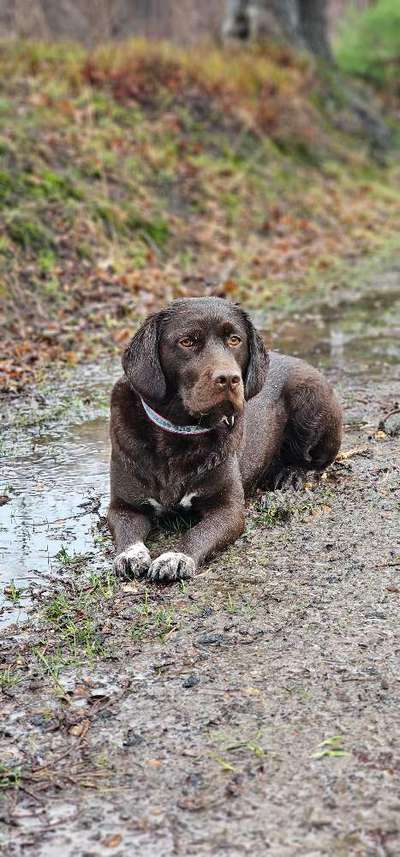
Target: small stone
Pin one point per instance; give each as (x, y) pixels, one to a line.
(191, 681)
(132, 739)
(211, 639)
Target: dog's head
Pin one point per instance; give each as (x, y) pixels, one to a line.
(202, 352)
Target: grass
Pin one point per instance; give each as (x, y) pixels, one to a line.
(138, 173)
(68, 560)
(13, 593)
(10, 777)
(330, 748)
(242, 748)
(369, 43)
(9, 678)
(73, 618)
(152, 622)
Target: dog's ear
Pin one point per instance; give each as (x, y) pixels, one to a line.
(141, 361)
(257, 366)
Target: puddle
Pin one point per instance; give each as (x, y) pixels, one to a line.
(58, 485)
(63, 466)
(49, 487)
(356, 337)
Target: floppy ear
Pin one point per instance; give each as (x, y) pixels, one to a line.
(257, 366)
(141, 361)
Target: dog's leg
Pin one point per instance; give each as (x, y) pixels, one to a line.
(129, 529)
(216, 530)
(312, 434)
(283, 476)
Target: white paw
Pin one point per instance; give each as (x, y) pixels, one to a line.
(171, 566)
(133, 562)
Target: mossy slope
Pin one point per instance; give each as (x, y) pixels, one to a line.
(137, 174)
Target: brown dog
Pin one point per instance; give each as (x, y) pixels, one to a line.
(202, 416)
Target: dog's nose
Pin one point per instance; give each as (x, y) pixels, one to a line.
(226, 380)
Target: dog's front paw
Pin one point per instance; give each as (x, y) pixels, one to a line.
(171, 566)
(289, 477)
(133, 561)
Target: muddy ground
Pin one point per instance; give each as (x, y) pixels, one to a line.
(253, 710)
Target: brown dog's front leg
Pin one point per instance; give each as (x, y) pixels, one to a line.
(219, 528)
(215, 531)
(129, 529)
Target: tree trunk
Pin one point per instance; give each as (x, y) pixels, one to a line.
(314, 26)
(300, 22)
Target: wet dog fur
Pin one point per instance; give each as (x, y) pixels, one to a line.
(200, 362)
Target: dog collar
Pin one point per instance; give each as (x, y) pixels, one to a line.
(166, 425)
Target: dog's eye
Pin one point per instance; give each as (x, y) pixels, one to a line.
(234, 340)
(187, 342)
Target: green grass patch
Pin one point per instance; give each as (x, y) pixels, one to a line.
(29, 234)
(369, 42)
(10, 777)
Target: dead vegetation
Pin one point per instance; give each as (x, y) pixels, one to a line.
(133, 175)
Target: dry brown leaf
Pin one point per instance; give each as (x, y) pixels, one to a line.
(112, 841)
(130, 587)
(79, 730)
(350, 453)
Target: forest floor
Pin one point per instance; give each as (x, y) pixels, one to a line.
(254, 709)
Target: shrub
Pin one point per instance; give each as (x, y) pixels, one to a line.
(369, 42)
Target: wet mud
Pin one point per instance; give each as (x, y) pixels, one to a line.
(253, 710)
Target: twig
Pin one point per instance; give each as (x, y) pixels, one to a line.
(68, 518)
(75, 746)
(387, 564)
(31, 794)
(394, 412)
(350, 453)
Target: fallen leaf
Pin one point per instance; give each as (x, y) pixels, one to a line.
(80, 690)
(350, 453)
(79, 730)
(112, 841)
(130, 587)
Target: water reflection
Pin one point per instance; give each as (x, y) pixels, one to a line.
(47, 487)
(355, 337)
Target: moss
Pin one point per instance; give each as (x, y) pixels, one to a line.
(10, 777)
(6, 187)
(28, 234)
(52, 186)
(47, 260)
(155, 229)
(110, 216)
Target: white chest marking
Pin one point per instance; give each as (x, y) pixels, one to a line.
(158, 507)
(186, 501)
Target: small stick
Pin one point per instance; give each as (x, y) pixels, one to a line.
(381, 424)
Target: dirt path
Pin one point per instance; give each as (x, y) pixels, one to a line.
(252, 711)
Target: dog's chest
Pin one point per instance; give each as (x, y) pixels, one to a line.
(169, 505)
(167, 485)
